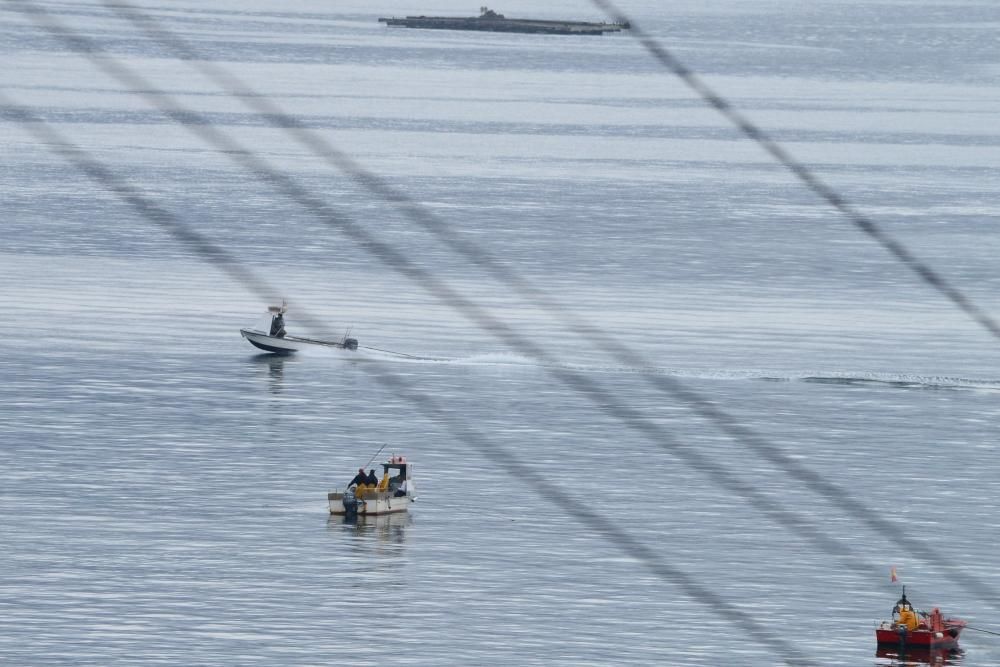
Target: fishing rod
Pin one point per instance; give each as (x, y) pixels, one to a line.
(989, 632)
(375, 455)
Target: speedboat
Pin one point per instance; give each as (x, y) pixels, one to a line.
(394, 493)
(274, 339)
(912, 629)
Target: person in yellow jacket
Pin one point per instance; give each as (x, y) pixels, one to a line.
(908, 618)
(904, 614)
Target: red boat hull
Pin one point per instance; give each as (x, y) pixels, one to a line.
(922, 637)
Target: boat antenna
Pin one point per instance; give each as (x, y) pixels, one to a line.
(374, 455)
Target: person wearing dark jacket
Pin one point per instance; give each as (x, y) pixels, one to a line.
(360, 478)
(371, 480)
(278, 326)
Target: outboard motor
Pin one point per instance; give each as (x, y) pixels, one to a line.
(350, 343)
(350, 502)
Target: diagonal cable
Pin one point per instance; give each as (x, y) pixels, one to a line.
(317, 144)
(807, 176)
(421, 400)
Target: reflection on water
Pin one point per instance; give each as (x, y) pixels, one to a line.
(917, 656)
(274, 366)
(381, 535)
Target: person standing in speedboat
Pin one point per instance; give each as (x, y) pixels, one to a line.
(278, 326)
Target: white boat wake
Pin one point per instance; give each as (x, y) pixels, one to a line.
(272, 338)
(818, 376)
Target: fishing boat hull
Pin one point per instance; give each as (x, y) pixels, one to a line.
(372, 504)
(888, 634)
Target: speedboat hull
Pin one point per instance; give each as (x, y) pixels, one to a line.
(270, 343)
(287, 344)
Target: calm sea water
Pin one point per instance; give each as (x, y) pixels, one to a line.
(162, 485)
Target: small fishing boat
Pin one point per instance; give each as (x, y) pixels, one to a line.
(912, 629)
(393, 493)
(276, 340)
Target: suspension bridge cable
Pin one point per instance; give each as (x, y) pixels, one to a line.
(807, 176)
(317, 144)
(425, 404)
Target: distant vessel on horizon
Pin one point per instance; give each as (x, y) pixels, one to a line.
(490, 21)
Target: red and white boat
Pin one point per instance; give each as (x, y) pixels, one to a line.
(913, 629)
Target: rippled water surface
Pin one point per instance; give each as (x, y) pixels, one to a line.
(581, 498)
